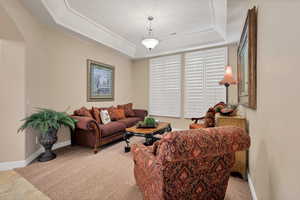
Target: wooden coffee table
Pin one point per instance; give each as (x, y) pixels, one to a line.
(147, 133)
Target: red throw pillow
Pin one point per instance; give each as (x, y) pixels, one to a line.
(111, 112)
(128, 109)
(96, 114)
(83, 111)
(119, 114)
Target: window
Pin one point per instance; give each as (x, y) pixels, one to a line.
(165, 86)
(203, 70)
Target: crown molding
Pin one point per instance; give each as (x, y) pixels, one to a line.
(64, 15)
(212, 45)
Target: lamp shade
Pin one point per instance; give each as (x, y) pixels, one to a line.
(150, 43)
(228, 77)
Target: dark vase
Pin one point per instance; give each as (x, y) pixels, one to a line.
(47, 140)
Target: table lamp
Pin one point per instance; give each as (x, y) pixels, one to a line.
(228, 80)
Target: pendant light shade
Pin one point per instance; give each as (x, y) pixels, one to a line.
(150, 42)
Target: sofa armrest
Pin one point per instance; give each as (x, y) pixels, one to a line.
(89, 124)
(140, 113)
(85, 123)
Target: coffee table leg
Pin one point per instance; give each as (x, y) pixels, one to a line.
(126, 138)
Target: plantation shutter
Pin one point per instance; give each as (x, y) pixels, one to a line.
(165, 86)
(203, 71)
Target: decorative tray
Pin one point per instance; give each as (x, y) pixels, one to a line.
(142, 125)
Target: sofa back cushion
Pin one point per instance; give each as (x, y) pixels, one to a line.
(194, 144)
(83, 111)
(128, 109)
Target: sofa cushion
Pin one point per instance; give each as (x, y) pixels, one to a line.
(105, 118)
(130, 121)
(112, 113)
(128, 109)
(119, 114)
(111, 128)
(96, 114)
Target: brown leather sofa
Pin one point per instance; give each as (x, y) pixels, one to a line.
(192, 164)
(92, 134)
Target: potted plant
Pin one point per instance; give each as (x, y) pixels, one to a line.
(47, 122)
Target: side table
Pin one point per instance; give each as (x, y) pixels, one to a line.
(241, 157)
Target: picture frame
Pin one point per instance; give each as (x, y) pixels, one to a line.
(247, 62)
(100, 81)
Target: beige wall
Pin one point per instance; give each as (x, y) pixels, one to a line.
(55, 70)
(274, 159)
(12, 95)
(141, 87)
(12, 87)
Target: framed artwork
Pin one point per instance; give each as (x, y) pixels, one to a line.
(247, 61)
(100, 81)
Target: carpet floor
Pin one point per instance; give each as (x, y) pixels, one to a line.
(78, 174)
(14, 187)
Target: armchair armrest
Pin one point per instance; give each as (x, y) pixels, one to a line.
(85, 123)
(140, 113)
(148, 171)
(143, 156)
(197, 119)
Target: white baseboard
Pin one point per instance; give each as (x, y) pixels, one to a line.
(22, 163)
(61, 144)
(252, 189)
(11, 165)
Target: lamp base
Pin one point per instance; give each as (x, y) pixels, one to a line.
(227, 86)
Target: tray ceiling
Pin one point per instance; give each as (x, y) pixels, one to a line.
(121, 25)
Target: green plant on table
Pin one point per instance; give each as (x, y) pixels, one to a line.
(149, 121)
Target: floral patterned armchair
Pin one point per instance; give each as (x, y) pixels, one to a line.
(192, 164)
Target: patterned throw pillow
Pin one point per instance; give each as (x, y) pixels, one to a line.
(83, 111)
(128, 109)
(96, 114)
(209, 119)
(104, 116)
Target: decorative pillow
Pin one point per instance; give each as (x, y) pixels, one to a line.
(119, 114)
(83, 111)
(209, 119)
(128, 109)
(96, 114)
(111, 112)
(104, 116)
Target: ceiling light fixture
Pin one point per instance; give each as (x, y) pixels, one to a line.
(150, 42)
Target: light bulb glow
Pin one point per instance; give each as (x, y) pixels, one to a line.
(228, 77)
(150, 43)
